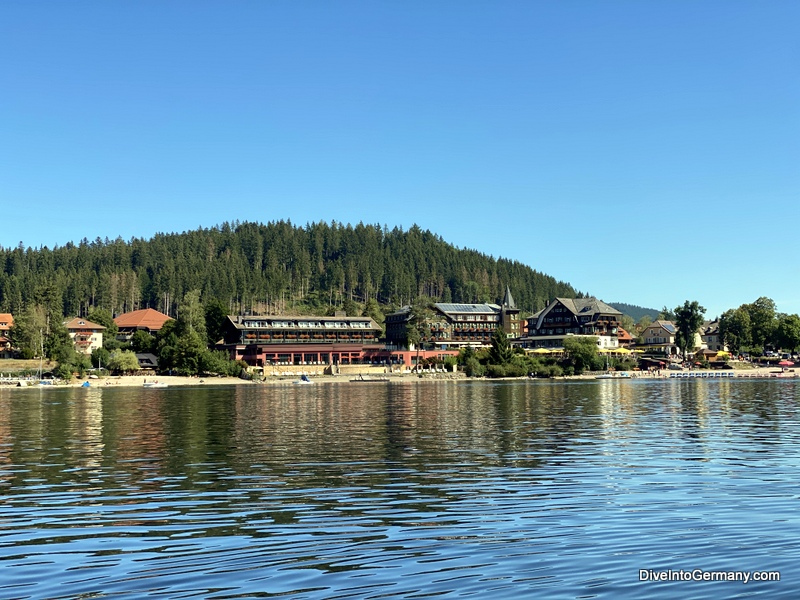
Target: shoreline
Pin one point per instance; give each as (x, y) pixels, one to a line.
(179, 381)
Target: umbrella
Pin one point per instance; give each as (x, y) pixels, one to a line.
(786, 363)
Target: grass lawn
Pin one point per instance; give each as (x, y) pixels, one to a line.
(16, 365)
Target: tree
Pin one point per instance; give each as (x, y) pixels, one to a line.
(106, 319)
(216, 313)
(582, 351)
(688, 319)
(124, 361)
(100, 357)
(141, 341)
(641, 325)
(734, 327)
(667, 314)
(29, 331)
(191, 316)
(373, 310)
(58, 345)
(500, 352)
(787, 333)
(628, 323)
(762, 321)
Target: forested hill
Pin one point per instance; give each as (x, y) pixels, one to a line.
(635, 312)
(277, 267)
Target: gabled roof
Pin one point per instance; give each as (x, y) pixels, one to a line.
(584, 306)
(666, 325)
(147, 360)
(6, 318)
(578, 307)
(79, 323)
(146, 318)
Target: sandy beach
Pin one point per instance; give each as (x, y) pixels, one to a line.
(175, 381)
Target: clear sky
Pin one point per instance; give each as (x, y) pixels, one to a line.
(645, 152)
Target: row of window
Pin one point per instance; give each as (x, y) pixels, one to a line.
(307, 324)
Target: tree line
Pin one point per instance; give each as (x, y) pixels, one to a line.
(264, 268)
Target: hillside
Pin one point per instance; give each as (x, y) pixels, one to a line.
(635, 312)
(277, 267)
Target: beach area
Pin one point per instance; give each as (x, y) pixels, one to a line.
(288, 379)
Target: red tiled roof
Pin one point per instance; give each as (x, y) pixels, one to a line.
(146, 318)
(624, 336)
(6, 318)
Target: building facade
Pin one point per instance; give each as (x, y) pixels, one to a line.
(453, 326)
(86, 336)
(301, 340)
(659, 337)
(711, 338)
(565, 317)
(6, 323)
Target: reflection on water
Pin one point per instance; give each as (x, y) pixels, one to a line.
(512, 489)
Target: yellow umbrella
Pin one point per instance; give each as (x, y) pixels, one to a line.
(622, 351)
(540, 351)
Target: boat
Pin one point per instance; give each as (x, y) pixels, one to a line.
(154, 384)
(304, 380)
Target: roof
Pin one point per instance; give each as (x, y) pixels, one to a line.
(7, 318)
(147, 360)
(79, 323)
(623, 336)
(588, 305)
(508, 299)
(578, 307)
(146, 318)
(668, 325)
(483, 309)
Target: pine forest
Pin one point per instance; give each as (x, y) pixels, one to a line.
(277, 268)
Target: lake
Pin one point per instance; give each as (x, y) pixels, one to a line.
(519, 489)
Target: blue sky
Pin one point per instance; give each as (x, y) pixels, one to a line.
(645, 152)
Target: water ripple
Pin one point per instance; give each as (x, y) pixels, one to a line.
(458, 490)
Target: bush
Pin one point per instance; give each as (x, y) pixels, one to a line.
(496, 370)
(473, 368)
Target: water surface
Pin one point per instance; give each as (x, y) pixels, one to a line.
(402, 490)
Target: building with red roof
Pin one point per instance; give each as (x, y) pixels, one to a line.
(146, 319)
(6, 323)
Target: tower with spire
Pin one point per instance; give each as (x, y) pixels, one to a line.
(509, 315)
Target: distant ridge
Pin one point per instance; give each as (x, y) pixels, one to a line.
(635, 312)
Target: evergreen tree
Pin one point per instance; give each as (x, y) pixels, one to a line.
(500, 352)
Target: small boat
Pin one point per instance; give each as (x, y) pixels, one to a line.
(154, 384)
(304, 380)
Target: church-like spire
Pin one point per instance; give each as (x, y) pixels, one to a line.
(508, 299)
